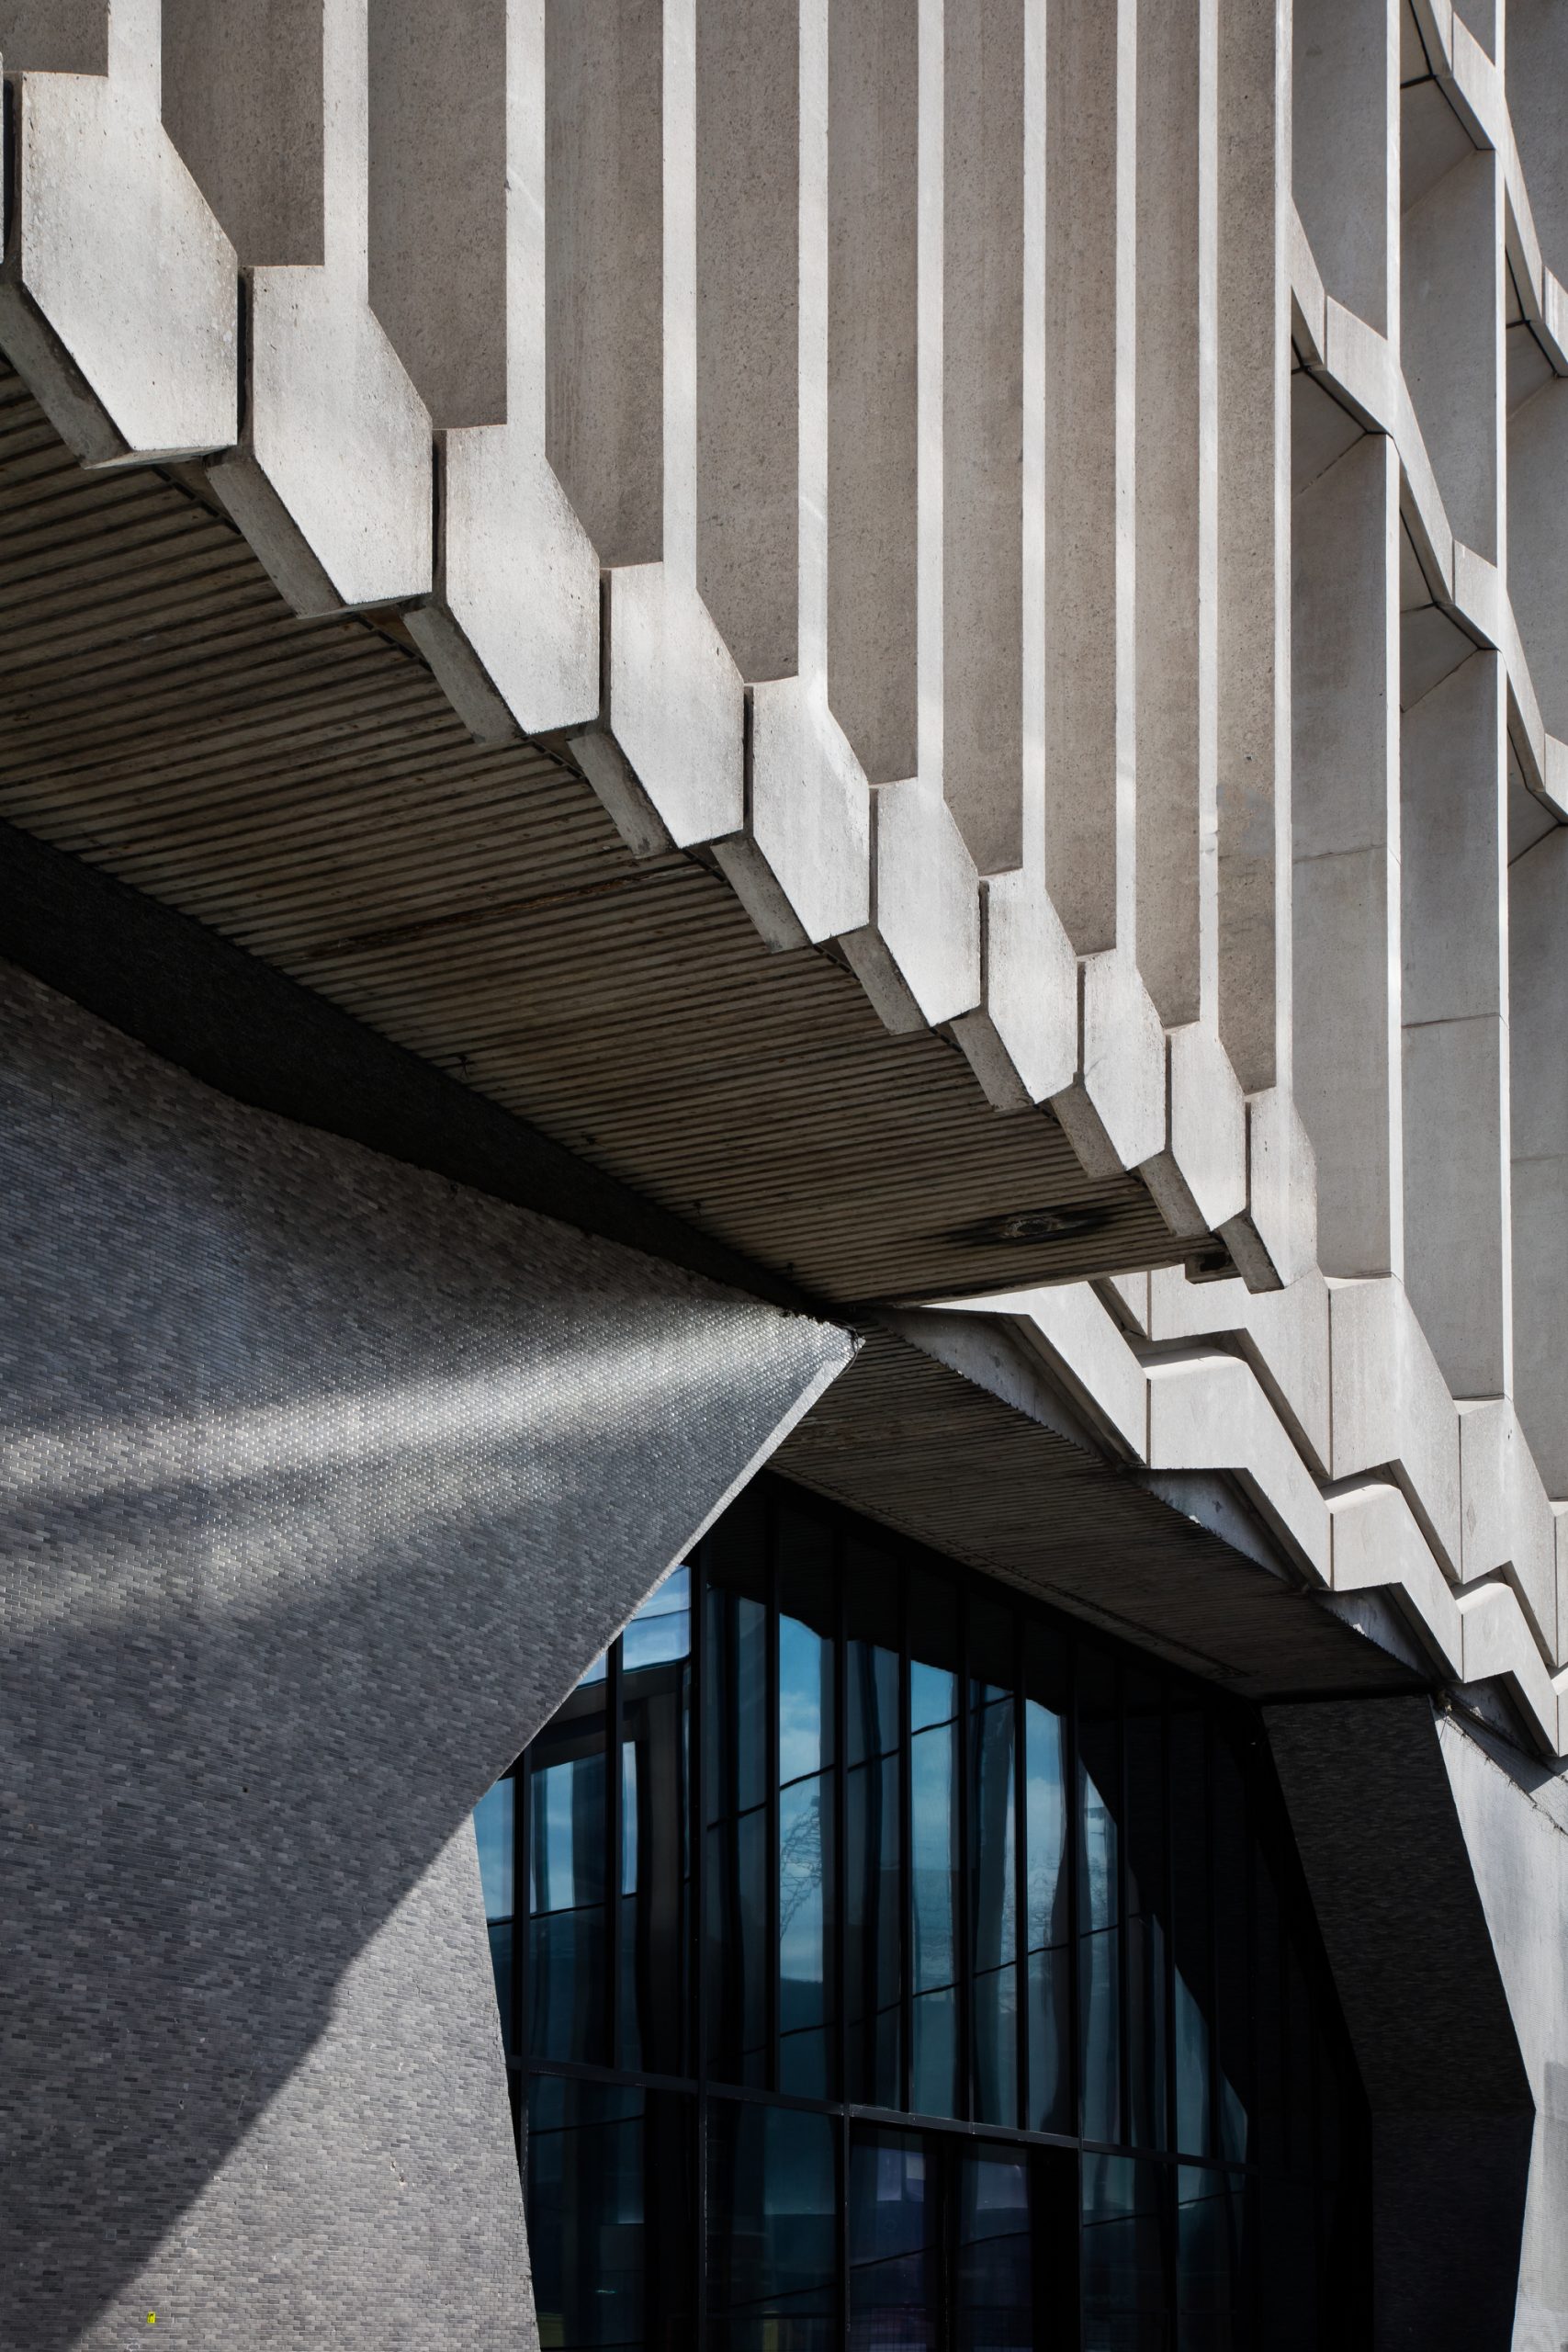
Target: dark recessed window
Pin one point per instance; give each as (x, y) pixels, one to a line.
(887, 1964)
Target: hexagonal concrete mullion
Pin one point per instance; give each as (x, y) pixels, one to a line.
(1257, 225)
(118, 291)
(459, 103)
(802, 863)
(1022, 1037)
(667, 755)
(919, 955)
(331, 483)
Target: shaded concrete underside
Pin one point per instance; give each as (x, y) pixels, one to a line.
(304, 788)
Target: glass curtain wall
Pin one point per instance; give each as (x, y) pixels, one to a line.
(885, 1962)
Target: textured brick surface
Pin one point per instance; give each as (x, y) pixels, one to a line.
(319, 1481)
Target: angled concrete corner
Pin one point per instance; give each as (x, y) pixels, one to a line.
(512, 627)
(1207, 1411)
(119, 294)
(1114, 1111)
(1377, 1545)
(667, 758)
(1199, 1181)
(801, 866)
(331, 483)
(918, 958)
(1022, 1037)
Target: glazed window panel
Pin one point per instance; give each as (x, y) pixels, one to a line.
(900, 1965)
(772, 2201)
(566, 1831)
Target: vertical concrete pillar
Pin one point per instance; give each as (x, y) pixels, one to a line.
(55, 36)
(1346, 830)
(747, 327)
(1022, 1039)
(874, 456)
(457, 102)
(1534, 60)
(1538, 552)
(438, 216)
(1454, 933)
(1537, 926)
(667, 754)
(1176, 492)
(1252, 755)
(1451, 329)
(243, 102)
(605, 260)
(1090, 454)
(801, 866)
(331, 483)
(1422, 1984)
(1345, 95)
(117, 304)
(919, 956)
(983, 358)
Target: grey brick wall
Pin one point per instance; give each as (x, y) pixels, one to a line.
(321, 1478)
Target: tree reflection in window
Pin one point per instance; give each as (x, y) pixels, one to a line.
(962, 1976)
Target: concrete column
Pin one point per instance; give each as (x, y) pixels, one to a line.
(322, 1482)
(1452, 323)
(1176, 512)
(1345, 832)
(1537, 551)
(1416, 1963)
(748, 326)
(668, 756)
(1455, 934)
(243, 101)
(1515, 1821)
(438, 208)
(919, 956)
(872, 372)
(1344, 96)
(1535, 63)
(1253, 756)
(55, 36)
(118, 303)
(1090, 455)
(802, 864)
(331, 483)
(983, 367)
(603, 74)
(457, 101)
(1537, 926)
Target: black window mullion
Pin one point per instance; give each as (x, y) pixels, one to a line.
(1123, 1917)
(1168, 1927)
(697, 1801)
(1073, 1801)
(522, 1905)
(905, 1863)
(1020, 1886)
(1212, 1990)
(841, 2231)
(840, 1940)
(964, 1891)
(613, 1861)
(773, 1956)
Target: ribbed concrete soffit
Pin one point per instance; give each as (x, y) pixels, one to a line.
(818, 700)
